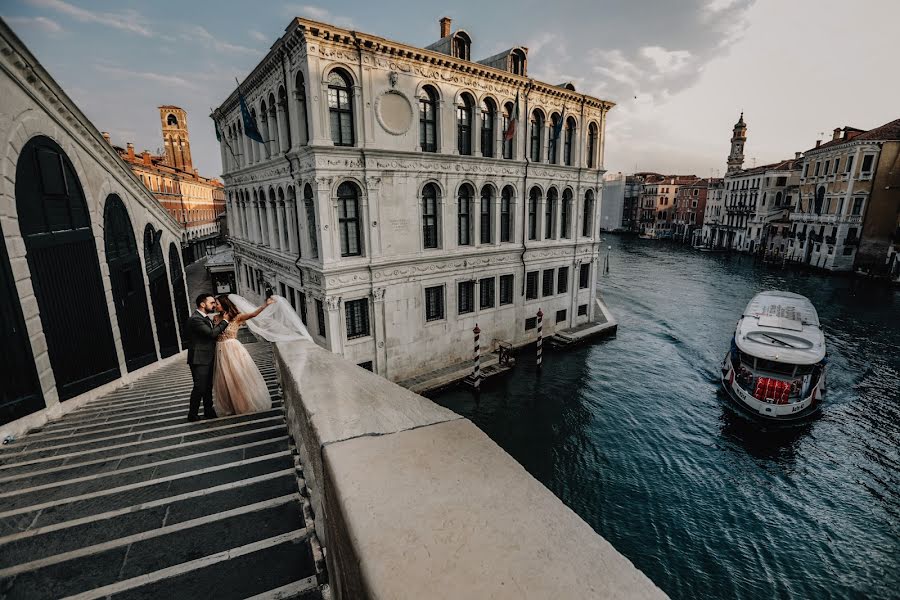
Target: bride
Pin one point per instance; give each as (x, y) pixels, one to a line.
(238, 386)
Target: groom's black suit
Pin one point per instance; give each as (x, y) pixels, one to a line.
(201, 343)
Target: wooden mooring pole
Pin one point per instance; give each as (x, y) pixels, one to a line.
(476, 371)
(540, 338)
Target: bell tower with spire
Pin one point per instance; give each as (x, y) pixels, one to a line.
(738, 139)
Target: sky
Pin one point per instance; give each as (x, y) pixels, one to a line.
(680, 72)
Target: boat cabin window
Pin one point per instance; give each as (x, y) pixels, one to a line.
(771, 366)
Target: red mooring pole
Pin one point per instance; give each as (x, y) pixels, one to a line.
(540, 339)
(476, 371)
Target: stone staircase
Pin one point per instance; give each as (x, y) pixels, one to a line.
(123, 498)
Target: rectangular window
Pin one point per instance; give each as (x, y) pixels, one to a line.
(530, 323)
(357, 314)
(301, 300)
(429, 219)
(547, 283)
(549, 225)
(818, 165)
(486, 233)
(487, 292)
(582, 310)
(531, 285)
(282, 290)
(562, 280)
(565, 218)
(532, 218)
(434, 303)
(560, 315)
(464, 221)
(320, 318)
(837, 165)
(465, 297)
(849, 164)
(827, 164)
(857, 206)
(584, 276)
(348, 219)
(867, 163)
(505, 219)
(506, 289)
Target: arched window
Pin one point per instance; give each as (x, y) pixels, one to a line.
(303, 119)
(428, 119)
(517, 62)
(565, 218)
(508, 109)
(534, 197)
(554, 141)
(462, 46)
(264, 128)
(569, 141)
(65, 271)
(349, 219)
(587, 224)
(464, 125)
(464, 215)
(537, 134)
(592, 145)
(284, 127)
(340, 108)
(311, 229)
(430, 216)
(159, 292)
(486, 223)
(171, 120)
(778, 199)
(506, 214)
(488, 118)
(550, 214)
(179, 294)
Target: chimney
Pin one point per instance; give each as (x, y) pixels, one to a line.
(818, 143)
(145, 156)
(797, 155)
(105, 135)
(851, 134)
(445, 26)
(130, 148)
(837, 134)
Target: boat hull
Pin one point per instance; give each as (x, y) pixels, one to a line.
(767, 411)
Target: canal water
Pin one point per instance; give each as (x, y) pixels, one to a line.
(633, 434)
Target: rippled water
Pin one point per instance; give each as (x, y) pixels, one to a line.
(633, 433)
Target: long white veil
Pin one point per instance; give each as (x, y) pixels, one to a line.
(278, 322)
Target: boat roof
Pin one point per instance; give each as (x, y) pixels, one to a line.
(781, 326)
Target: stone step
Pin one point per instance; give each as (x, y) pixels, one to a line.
(139, 554)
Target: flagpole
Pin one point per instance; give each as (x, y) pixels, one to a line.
(225, 137)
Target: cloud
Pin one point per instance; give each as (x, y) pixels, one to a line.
(258, 35)
(201, 34)
(43, 23)
(129, 20)
(159, 78)
(317, 13)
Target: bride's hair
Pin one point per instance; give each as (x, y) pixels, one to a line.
(228, 306)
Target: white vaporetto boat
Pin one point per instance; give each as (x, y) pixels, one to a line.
(776, 366)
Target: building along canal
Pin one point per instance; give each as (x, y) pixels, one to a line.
(634, 434)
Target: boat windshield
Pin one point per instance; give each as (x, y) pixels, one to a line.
(771, 366)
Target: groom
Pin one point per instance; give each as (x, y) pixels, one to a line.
(201, 343)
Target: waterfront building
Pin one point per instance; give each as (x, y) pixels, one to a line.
(631, 202)
(648, 200)
(690, 207)
(849, 200)
(387, 204)
(659, 201)
(196, 202)
(91, 279)
(612, 202)
(711, 231)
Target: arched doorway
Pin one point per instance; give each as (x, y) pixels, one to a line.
(178, 292)
(127, 280)
(159, 293)
(20, 388)
(65, 271)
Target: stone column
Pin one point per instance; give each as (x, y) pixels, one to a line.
(380, 331)
(291, 210)
(283, 133)
(272, 237)
(248, 152)
(299, 118)
(326, 221)
(279, 208)
(370, 211)
(260, 222)
(335, 323)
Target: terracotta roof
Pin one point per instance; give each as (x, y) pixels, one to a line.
(886, 132)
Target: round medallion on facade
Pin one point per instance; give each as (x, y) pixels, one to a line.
(394, 112)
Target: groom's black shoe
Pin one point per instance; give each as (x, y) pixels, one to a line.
(210, 415)
(192, 418)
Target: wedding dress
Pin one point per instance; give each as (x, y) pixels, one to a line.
(238, 386)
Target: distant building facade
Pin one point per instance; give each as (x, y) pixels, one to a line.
(690, 206)
(612, 202)
(711, 232)
(386, 205)
(631, 202)
(195, 202)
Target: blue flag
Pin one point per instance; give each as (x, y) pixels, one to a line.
(250, 129)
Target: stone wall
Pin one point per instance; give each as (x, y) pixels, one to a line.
(413, 501)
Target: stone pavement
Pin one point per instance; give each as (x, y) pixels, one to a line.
(124, 498)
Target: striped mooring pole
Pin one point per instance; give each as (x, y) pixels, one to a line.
(540, 339)
(476, 371)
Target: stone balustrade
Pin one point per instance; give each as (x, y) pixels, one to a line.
(413, 501)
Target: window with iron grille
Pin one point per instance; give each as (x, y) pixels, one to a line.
(320, 318)
(530, 323)
(486, 292)
(582, 310)
(560, 315)
(562, 280)
(531, 285)
(430, 216)
(357, 315)
(434, 303)
(465, 297)
(506, 289)
(584, 276)
(547, 283)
